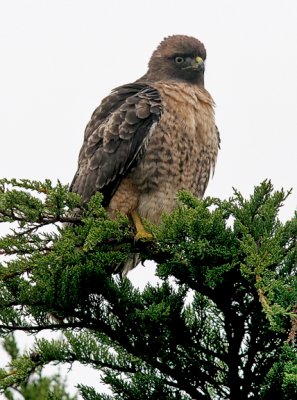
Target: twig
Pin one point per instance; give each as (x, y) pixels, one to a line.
(43, 220)
(293, 330)
(261, 295)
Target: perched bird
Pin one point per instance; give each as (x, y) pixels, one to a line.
(150, 139)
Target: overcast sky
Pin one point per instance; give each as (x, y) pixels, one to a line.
(59, 58)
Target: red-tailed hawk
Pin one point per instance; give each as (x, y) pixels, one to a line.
(150, 139)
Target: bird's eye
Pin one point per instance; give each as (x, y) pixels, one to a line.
(179, 60)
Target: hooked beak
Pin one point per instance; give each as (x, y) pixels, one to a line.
(196, 65)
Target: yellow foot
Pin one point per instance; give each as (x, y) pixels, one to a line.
(141, 233)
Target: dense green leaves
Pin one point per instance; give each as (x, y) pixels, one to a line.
(220, 325)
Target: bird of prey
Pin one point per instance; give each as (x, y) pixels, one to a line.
(152, 138)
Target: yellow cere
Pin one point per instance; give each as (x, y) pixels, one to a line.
(198, 60)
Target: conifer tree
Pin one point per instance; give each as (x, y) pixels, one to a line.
(37, 386)
(220, 325)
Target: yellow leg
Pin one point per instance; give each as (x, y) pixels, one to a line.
(141, 233)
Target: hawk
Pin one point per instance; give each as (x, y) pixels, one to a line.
(152, 138)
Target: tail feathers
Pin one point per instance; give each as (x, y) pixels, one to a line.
(131, 262)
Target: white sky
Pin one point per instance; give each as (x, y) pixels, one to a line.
(59, 58)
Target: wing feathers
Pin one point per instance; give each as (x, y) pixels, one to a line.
(116, 138)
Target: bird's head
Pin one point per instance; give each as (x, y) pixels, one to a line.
(178, 57)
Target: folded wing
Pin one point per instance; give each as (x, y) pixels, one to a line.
(115, 139)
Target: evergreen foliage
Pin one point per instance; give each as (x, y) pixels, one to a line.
(36, 386)
(220, 325)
